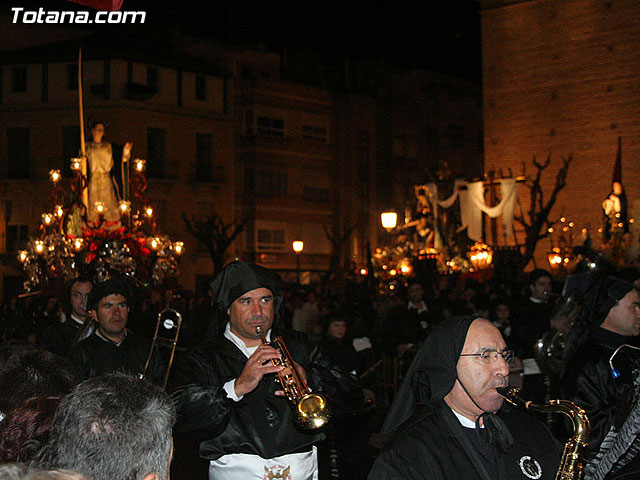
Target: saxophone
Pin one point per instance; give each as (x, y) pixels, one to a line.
(570, 467)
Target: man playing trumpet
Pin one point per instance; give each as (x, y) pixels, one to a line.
(225, 388)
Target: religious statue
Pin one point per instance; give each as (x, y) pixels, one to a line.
(103, 188)
(615, 211)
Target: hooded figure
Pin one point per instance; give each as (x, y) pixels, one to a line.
(434, 441)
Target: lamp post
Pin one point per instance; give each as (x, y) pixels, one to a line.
(298, 246)
(389, 220)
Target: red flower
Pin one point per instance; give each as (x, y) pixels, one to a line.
(90, 257)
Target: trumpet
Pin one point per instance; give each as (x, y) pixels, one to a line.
(169, 319)
(312, 410)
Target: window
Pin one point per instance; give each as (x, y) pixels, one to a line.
(248, 122)
(155, 152)
(153, 79)
(314, 133)
(273, 127)
(270, 240)
(265, 182)
(17, 237)
(204, 153)
(70, 147)
(316, 194)
(271, 183)
(72, 76)
(455, 133)
(18, 153)
(19, 79)
(201, 87)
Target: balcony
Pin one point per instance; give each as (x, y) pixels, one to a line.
(290, 144)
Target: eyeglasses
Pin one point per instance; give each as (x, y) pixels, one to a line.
(490, 356)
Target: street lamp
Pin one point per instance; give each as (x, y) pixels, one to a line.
(298, 246)
(389, 220)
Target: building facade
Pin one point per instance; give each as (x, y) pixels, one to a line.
(560, 79)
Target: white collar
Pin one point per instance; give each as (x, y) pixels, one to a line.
(537, 300)
(420, 307)
(238, 342)
(464, 421)
(77, 320)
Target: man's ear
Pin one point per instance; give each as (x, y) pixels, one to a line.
(151, 476)
(93, 315)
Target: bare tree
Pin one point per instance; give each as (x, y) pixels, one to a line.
(537, 223)
(337, 238)
(216, 235)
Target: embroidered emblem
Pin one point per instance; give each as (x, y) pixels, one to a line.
(530, 467)
(278, 472)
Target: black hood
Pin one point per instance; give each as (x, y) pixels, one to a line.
(433, 371)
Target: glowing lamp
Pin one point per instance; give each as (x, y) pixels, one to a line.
(47, 219)
(100, 208)
(480, 255)
(148, 211)
(298, 246)
(363, 271)
(178, 247)
(58, 211)
(76, 164)
(389, 220)
(405, 269)
(155, 243)
(77, 244)
(124, 205)
(22, 256)
(39, 246)
(54, 176)
(139, 164)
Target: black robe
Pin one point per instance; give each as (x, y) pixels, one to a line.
(260, 423)
(433, 445)
(95, 356)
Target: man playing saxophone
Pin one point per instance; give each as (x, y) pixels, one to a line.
(450, 421)
(225, 388)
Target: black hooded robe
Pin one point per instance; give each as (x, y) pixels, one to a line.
(431, 443)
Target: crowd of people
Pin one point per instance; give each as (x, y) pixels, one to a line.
(413, 374)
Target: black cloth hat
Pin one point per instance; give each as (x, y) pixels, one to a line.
(238, 278)
(433, 371)
(114, 285)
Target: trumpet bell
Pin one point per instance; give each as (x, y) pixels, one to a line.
(313, 411)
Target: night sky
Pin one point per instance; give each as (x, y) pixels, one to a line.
(442, 36)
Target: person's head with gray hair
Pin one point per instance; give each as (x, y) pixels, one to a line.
(114, 427)
(18, 471)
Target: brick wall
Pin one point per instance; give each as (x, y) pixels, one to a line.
(563, 77)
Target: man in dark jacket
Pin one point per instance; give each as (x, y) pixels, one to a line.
(450, 421)
(112, 347)
(61, 336)
(609, 319)
(225, 388)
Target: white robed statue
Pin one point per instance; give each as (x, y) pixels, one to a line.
(103, 188)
